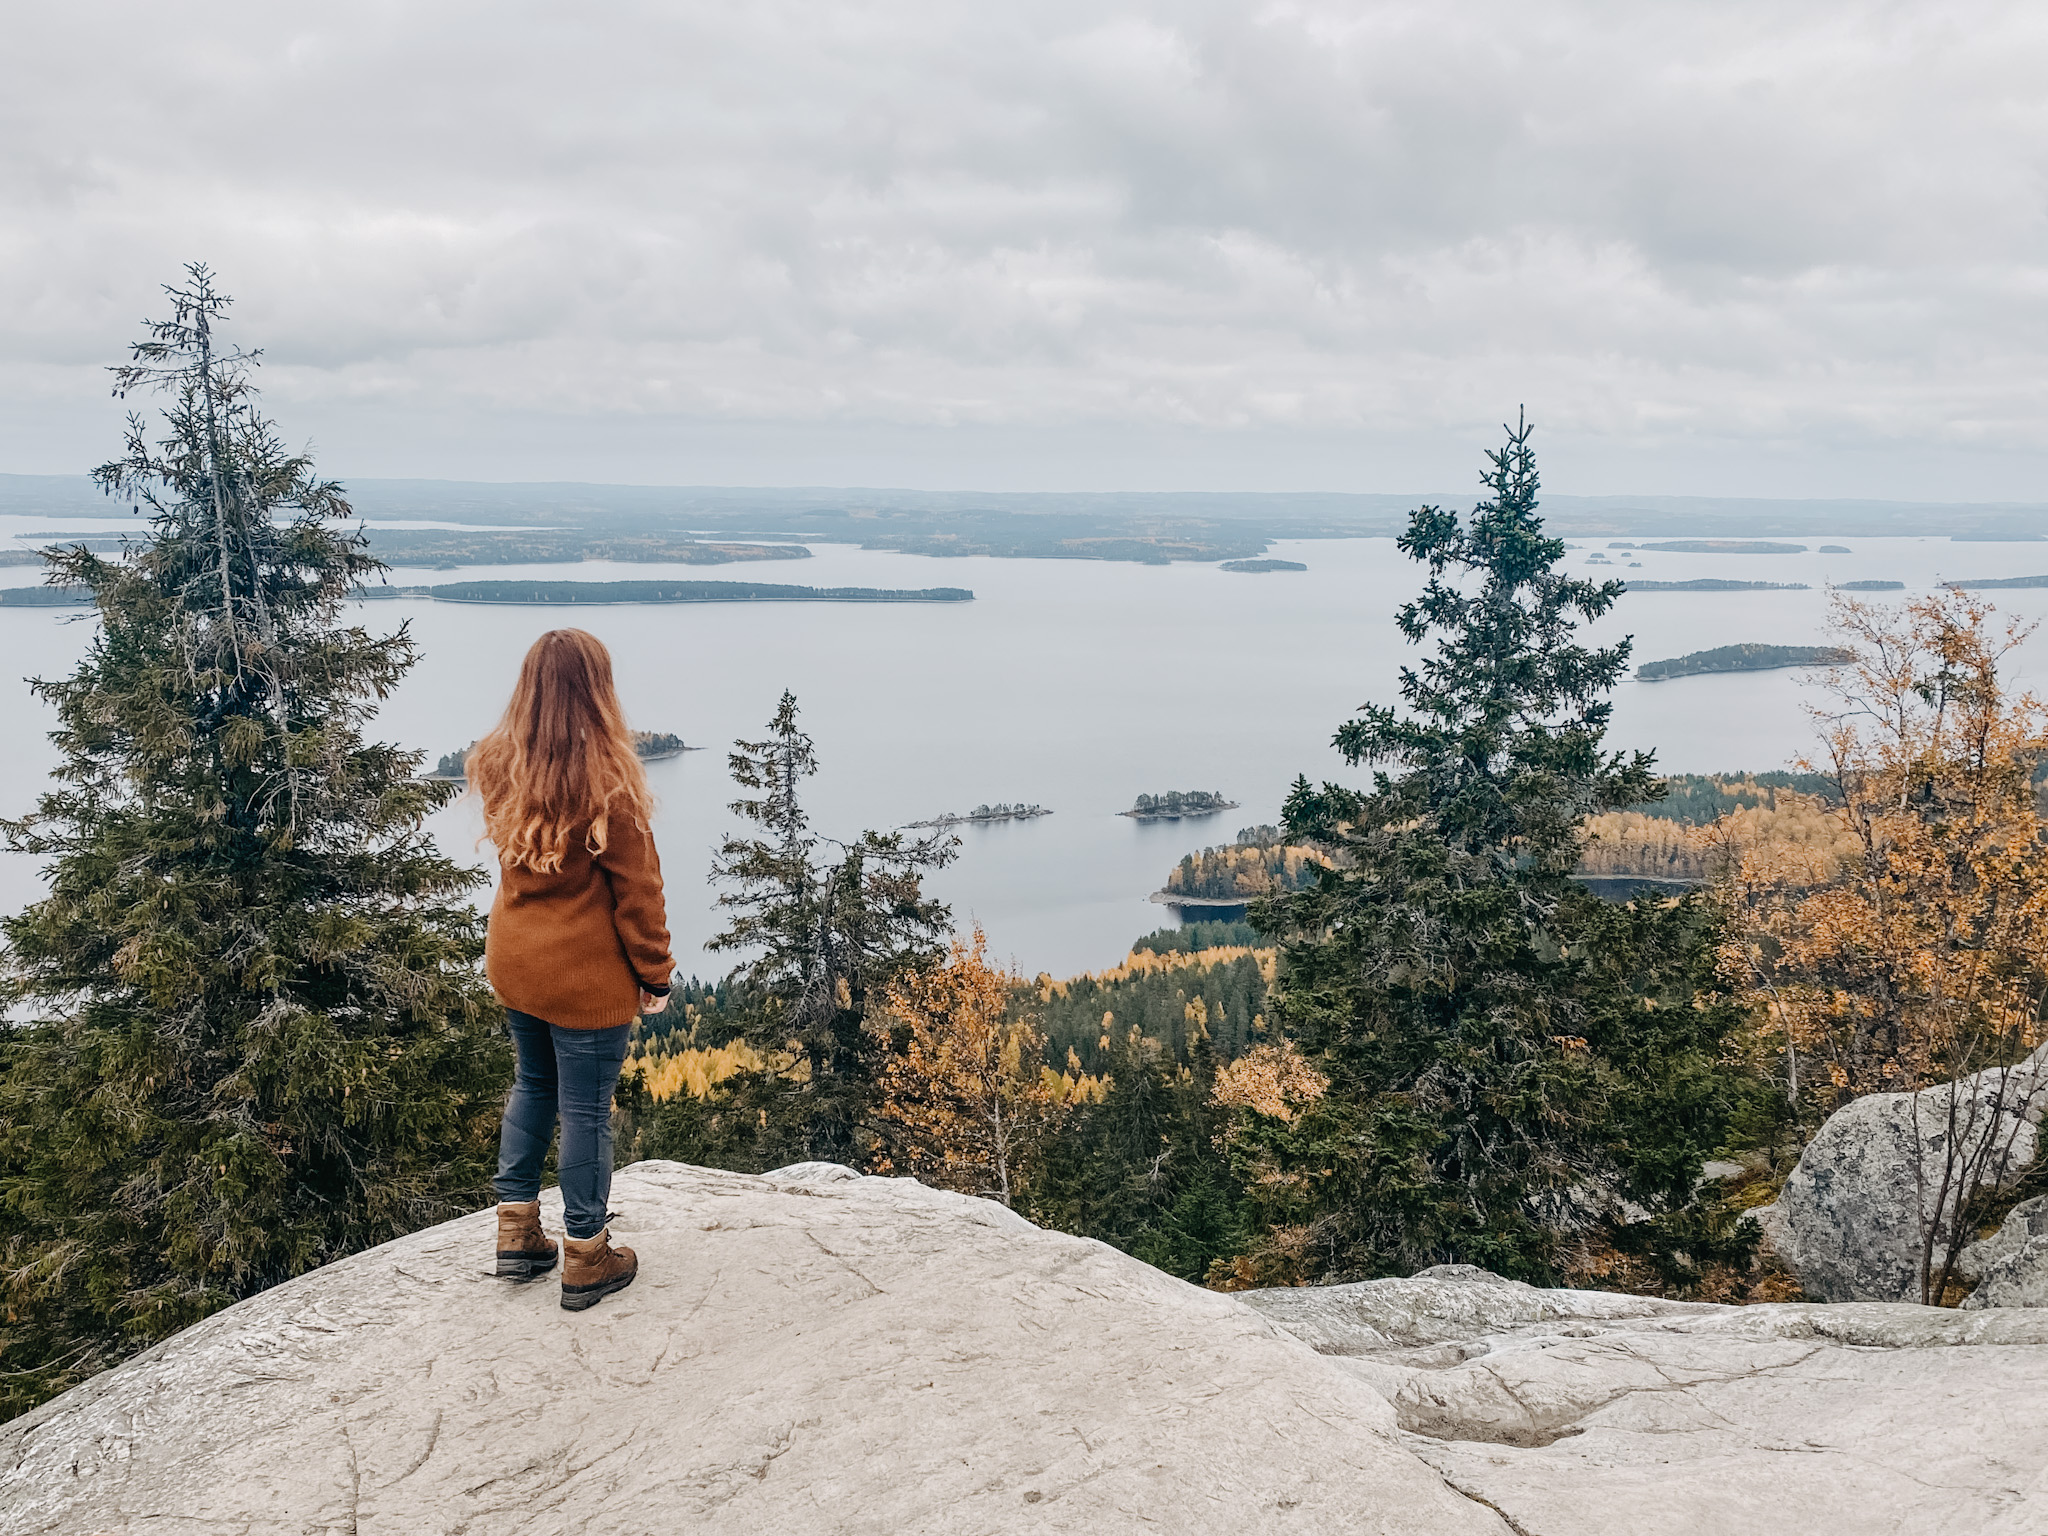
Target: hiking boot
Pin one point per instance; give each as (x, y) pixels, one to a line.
(594, 1269)
(524, 1250)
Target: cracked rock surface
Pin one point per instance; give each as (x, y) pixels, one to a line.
(1582, 1413)
(808, 1351)
(816, 1352)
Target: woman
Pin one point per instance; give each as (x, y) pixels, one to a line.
(578, 945)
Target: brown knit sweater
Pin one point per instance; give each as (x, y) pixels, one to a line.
(575, 947)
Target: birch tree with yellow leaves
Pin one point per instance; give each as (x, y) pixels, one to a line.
(967, 1100)
(1914, 953)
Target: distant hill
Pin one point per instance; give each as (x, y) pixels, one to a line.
(1749, 657)
(1076, 524)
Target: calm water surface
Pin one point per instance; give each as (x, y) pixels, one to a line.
(1075, 684)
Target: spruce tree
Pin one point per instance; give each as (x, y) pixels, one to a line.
(254, 1036)
(826, 925)
(1511, 1063)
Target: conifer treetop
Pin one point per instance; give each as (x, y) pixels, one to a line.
(1506, 712)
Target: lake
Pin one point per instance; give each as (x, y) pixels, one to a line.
(1074, 684)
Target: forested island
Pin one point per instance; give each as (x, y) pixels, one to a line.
(1721, 547)
(1001, 811)
(98, 543)
(67, 595)
(649, 746)
(1259, 863)
(1667, 842)
(1712, 584)
(1257, 566)
(1870, 586)
(566, 593)
(445, 548)
(1176, 803)
(1997, 581)
(1744, 658)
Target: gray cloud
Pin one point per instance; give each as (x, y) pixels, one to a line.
(1717, 247)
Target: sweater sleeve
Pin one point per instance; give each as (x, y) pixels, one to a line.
(638, 911)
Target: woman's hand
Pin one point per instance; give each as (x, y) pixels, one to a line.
(649, 1003)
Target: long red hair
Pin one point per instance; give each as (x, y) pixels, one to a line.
(562, 760)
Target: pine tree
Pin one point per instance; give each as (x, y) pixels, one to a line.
(1491, 1034)
(826, 928)
(256, 1035)
(1140, 1169)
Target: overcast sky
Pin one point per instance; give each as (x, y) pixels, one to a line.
(1718, 247)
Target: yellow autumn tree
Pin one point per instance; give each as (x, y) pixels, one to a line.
(1271, 1080)
(1911, 947)
(968, 1100)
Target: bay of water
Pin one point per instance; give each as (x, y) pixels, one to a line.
(1074, 684)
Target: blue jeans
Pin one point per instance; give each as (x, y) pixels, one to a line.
(573, 1072)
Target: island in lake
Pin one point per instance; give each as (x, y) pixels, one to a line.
(444, 547)
(1722, 547)
(648, 746)
(1653, 849)
(1259, 863)
(1870, 586)
(1255, 566)
(1836, 549)
(1998, 581)
(1003, 811)
(1176, 803)
(1744, 658)
(593, 592)
(45, 597)
(1714, 584)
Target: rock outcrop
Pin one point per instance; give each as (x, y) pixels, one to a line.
(2010, 1268)
(1851, 1218)
(815, 1352)
(1582, 1413)
(810, 1353)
